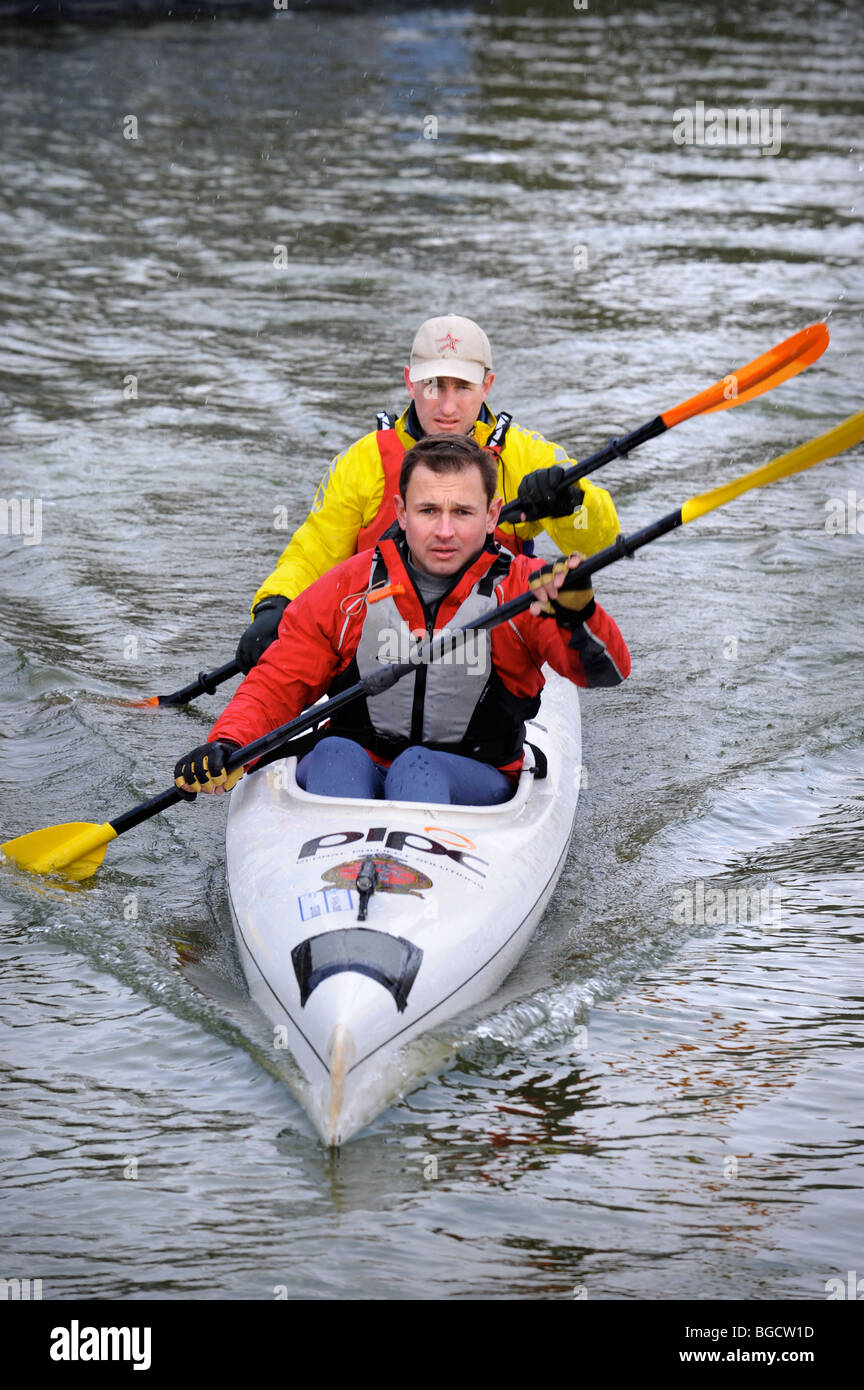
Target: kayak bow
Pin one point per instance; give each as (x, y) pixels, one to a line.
(363, 924)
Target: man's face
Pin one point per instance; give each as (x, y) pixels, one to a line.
(446, 518)
(446, 404)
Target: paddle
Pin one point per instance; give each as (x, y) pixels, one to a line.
(205, 685)
(780, 363)
(77, 848)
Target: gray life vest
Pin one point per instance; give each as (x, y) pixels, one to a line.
(457, 704)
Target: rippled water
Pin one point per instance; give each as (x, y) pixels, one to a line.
(655, 1105)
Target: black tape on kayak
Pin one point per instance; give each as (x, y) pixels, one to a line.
(391, 960)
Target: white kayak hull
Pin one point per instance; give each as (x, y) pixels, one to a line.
(461, 890)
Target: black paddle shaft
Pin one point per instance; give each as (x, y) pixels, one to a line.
(578, 578)
(616, 448)
(371, 685)
(444, 642)
(268, 743)
(205, 684)
(283, 745)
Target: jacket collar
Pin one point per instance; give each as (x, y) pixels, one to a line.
(394, 551)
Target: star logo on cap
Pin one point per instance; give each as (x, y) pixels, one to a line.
(448, 343)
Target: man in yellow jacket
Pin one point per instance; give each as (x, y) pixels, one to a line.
(448, 379)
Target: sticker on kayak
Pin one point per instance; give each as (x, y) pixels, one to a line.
(393, 876)
(324, 900)
(456, 848)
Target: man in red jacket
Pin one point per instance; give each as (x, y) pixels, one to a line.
(454, 730)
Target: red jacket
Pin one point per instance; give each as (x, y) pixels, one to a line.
(318, 638)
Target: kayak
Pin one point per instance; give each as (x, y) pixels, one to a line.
(363, 924)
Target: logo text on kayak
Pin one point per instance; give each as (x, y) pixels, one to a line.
(392, 839)
(758, 126)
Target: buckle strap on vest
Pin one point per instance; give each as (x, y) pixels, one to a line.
(384, 420)
(495, 572)
(379, 570)
(495, 442)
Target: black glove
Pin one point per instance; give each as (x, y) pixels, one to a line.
(203, 770)
(541, 494)
(261, 631)
(573, 618)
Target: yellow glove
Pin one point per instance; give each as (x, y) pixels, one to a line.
(203, 770)
(563, 604)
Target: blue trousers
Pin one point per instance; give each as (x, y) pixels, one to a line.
(340, 767)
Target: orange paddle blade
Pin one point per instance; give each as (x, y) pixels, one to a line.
(780, 363)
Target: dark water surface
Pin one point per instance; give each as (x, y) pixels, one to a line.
(656, 1105)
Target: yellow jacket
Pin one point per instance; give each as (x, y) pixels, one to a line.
(351, 492)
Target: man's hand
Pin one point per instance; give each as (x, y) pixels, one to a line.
(261, 631)
(569, 607)
(203, 770)
(541, 494)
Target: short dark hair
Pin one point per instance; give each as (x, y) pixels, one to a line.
(450, 453)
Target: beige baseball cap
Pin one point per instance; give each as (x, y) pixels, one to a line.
(450, 346)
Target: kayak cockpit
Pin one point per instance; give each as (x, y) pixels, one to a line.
(284, 784)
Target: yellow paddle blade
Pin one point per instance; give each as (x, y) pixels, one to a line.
(825, 447)
(780, 363)
(75, 849)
